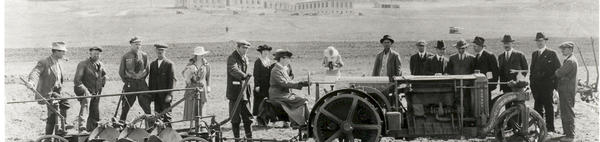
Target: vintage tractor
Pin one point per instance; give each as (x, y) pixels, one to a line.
(369, 108)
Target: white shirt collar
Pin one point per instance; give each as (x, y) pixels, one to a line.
(542, 49)
(159, 61)
(480, 52)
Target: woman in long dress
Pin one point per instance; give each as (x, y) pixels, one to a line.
(262, 72)
(280, 89)
(196, 74)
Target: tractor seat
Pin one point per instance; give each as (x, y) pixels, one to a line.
(271, 111)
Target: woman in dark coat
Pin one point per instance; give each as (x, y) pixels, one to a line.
(262, 73)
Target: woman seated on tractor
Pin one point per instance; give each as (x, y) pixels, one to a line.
(280, 89)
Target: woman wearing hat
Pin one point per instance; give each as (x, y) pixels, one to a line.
(332, 61)
(262, 72)
(196, 74)
(281, 85)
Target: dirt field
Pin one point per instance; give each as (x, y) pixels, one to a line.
(32, 25)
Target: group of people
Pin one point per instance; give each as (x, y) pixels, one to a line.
(274, 79)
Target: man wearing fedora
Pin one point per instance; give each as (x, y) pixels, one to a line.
(508, 60)
(48, 73)
(90, 78)
(566, 76)
(387, 62)
(417, 61)
(436, 64)
(486, 63)
(544, 63)
(461, 62)
(162, 76)
(237, 67)
(133, 72)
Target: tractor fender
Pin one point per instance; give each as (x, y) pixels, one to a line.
(379, 96)
(358, 92)
(498, 105)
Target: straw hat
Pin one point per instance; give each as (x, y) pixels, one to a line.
(200, 51)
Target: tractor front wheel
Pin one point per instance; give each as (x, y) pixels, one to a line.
(510, 128)
(51, 138)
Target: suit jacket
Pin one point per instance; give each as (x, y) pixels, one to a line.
(89, 78)
(48, 74)
(281, 84)
(417, 64)
(486, 62)
(162, 77)
(393, 64)
(543, 67)
(236, 73)
(435, 65)
(567, 78)
(459, 67)
(516, 61)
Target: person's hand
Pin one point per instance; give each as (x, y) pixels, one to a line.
(257, 89)
(303, 83)
(438, 74)
(248, 76)
(207, 89)
(83, 102)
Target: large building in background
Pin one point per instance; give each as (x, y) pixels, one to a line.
(297, 6)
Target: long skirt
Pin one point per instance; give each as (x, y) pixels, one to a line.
(194, 102)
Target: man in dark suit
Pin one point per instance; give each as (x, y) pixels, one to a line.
(567, 86)
(90, 78)
(162, 76)
(48, 74)
(510, 59)
(544, 63)
(461, 62)
(387, 62)
(436, 64)
(485, 62)
(237, 66)
(417, 61)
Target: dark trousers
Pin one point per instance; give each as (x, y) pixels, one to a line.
(567, 116)
(258, 98)
(162, 101)
(52, 120)
(143, 99)
(542, 96)
(243, 115)
(94, 116)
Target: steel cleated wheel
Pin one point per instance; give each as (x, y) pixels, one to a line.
(347, 117)
(51, 138)
(509, 129)
(193, 139)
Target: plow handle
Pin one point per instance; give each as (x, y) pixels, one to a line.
(237, 101)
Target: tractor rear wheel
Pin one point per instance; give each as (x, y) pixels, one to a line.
(51, 138)
(509, 129)
(347, 117)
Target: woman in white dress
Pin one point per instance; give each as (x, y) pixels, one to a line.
(196, 74)
(332, 61)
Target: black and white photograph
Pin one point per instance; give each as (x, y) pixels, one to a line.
(300, 71)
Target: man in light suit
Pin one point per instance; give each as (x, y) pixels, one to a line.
(162, 76)
(90, 78)
(417, 61)
(437, 63)
(544, 63)
(387, 62)
(567, 87)
(510, 59)
(237, 67)
(48, 73)
(461, 62)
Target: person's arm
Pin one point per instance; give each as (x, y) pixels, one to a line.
(207, 76)
(171, 75)
(34, 75)
(279, 79)
(187, 74)
(398, 66)
(493, 63)
(258, 75)
(412, 65)
(234, 70)
(524, 64)
(325, 62)
(555, 63)
(122, 69)
(79, 75)
(291, 73)
(567, 68)
(147, 67)
(340, 63)
(450, 67)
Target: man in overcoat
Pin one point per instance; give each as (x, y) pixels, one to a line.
(417, 61)
(437, 63)
(237, 67)
(387, 62)
(544, 63)
(162, 76)
(461, 62)
(508, 60)
(90, 78)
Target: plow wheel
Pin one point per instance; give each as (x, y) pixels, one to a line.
(509, 129)
(347, 117)
(51, 138)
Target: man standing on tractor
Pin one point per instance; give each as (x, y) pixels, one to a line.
(162, 76)
(567, 86)
(48, 73)
(387, 62)
(90, 78)
(544, 63)
(237, 67)
(417, 61)
(133, 71)
(510, 59)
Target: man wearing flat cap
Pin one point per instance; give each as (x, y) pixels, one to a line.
(162, 76)
(566, 76)
(89, 79)
(387, 62)
(237, 67)
(133, 72)
(461, 62)
(508, 60)
(417, 61)
(48, 73)
(544, 63)
(436, 64)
